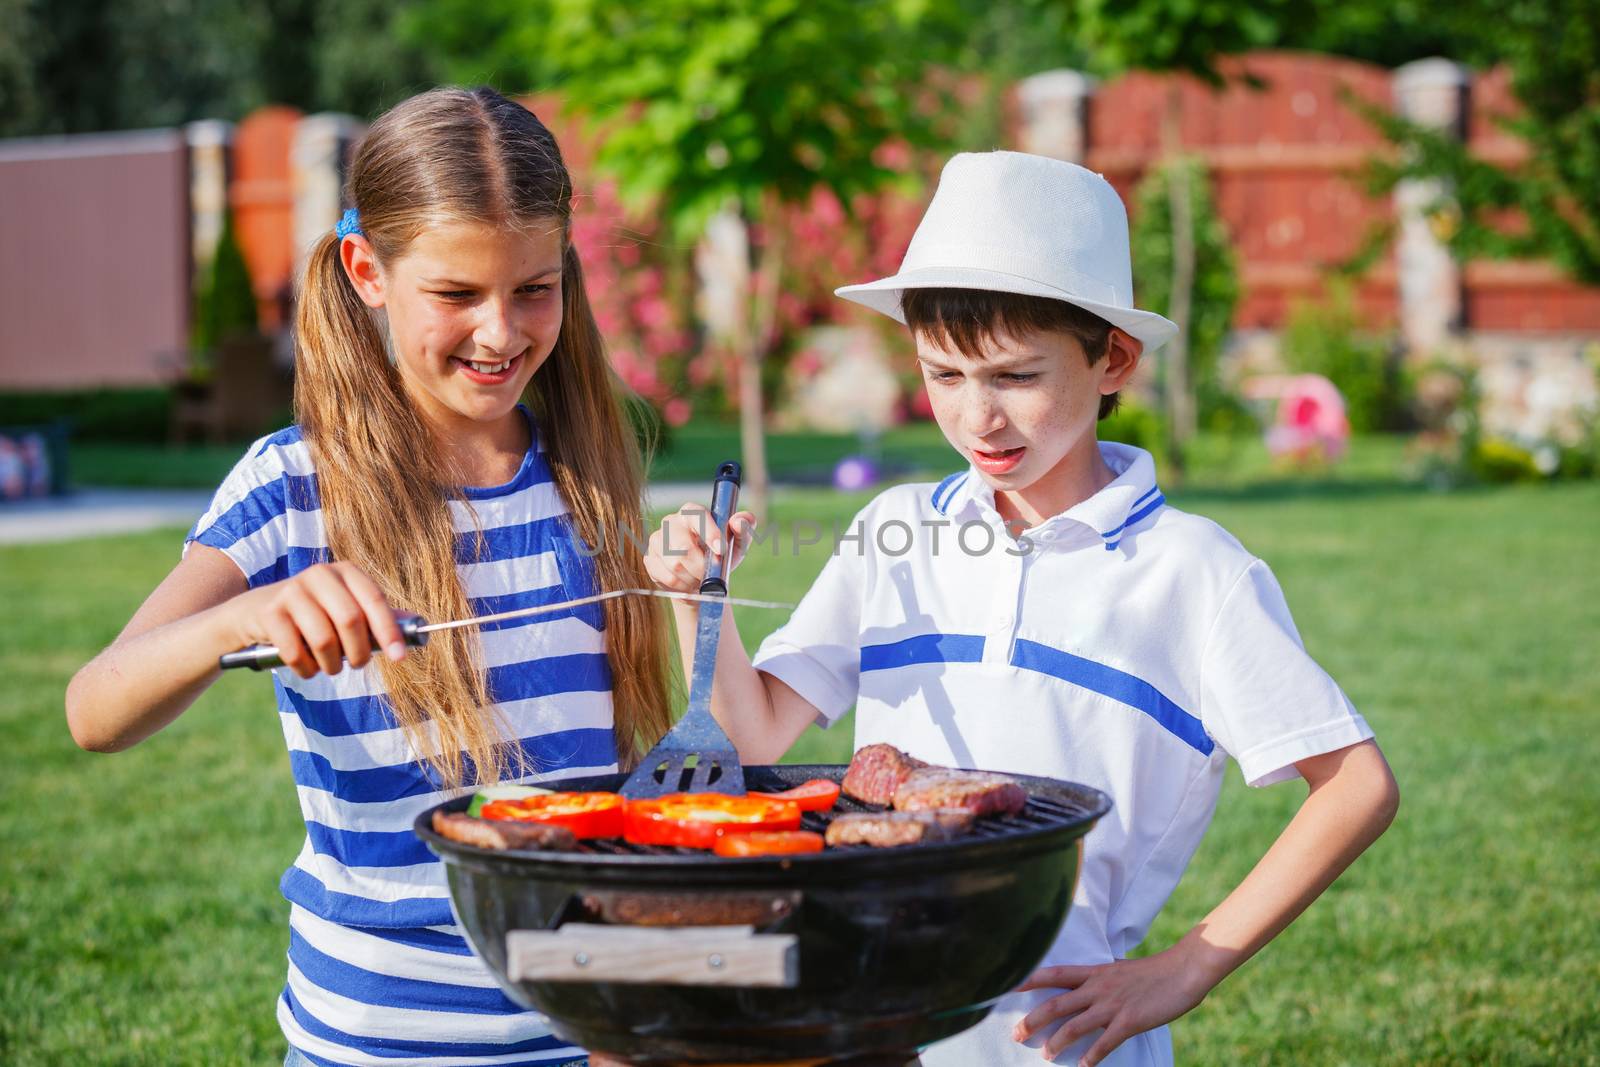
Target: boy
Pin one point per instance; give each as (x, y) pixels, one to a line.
(1053, 616)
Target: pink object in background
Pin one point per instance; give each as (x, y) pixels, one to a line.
(1310, 425)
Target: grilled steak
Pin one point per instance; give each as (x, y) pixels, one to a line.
(875, 772)
(980, 792)
(890, 829)
(502, 835)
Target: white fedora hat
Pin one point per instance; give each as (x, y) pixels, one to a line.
(1016, 223)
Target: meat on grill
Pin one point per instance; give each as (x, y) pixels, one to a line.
(980, 792)
(876, 772)
(889, 829)
(504, 834)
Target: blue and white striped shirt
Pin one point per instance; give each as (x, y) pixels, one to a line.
(379, 973)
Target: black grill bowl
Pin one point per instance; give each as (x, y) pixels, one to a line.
(897, 947)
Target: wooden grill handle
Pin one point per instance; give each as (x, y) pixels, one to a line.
(654, 955)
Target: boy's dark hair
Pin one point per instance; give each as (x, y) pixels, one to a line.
(964, 319)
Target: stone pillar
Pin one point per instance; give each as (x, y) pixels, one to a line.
(317, 161)
(1055, 114)
(1430, 92)
(210, 150)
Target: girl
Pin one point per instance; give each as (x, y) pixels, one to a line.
(449, 293)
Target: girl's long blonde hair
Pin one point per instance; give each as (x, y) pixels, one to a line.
(452, 155)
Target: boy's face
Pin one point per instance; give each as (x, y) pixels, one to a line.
(1024, 414)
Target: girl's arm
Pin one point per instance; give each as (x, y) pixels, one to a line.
(762, 715)
(167, 654)
(1353, 799)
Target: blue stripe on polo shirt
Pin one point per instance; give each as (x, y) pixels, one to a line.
(512, 542)
(527, 598)
(388, 991)
(367, 848)
(289, 435)
(1134, 518)
(301, 887)
(1148, 493)
(924, 648)
(372, 785)
(948, 488)
(581, 672)
(423, 938)
(1118, 685)
(397, 1047)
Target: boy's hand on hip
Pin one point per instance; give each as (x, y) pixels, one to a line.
(679, 550)
(1123, 998)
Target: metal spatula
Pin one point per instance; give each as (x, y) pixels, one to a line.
(698, 743)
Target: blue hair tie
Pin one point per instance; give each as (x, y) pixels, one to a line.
(349, 223)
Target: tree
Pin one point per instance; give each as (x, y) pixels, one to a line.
(81, 66)
(1182, 37)
(711, 106)
(1548, 205)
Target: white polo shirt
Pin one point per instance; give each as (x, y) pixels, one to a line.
(1123, 644)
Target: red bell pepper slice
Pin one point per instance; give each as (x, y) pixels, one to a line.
(585, 814)
(768, 843)
(819, 794)
(696, 820)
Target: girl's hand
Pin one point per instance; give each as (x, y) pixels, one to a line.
(678, 551)
(320, 619)
(1124, 998)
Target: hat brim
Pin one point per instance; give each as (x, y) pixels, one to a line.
(883, 296)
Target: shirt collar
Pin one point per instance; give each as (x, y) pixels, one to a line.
(1131, 496)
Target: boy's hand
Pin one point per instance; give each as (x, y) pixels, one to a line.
(1124, 998)
(676, 559)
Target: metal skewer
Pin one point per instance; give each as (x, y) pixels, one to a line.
(415, 629)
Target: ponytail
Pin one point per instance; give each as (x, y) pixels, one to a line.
(599, 470)
(384, 496)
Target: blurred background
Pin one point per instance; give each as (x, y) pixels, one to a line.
(1395, 199)
(1379, 224)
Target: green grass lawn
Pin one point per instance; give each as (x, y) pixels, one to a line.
(143, 923)
(690, 453)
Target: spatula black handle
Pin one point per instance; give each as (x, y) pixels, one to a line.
(724, 498)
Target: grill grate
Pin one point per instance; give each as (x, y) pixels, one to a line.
(1041, 813)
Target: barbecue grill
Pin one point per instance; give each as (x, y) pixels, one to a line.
(660, 955)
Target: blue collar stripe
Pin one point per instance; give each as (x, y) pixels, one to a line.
(1109, 534)
(924, 648)
(1119, 686)
(1135, 517)
(948, 488)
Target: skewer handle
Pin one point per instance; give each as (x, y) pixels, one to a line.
(265, 657)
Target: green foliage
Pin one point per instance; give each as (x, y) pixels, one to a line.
(1553, 50)
(1216, 278)
(92, 65)
(1134, 424)
(1497, 460)
(707, 102)
(1185, 35)
(1326, 337)
(225, 305)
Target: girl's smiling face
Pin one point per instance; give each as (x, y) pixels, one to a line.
(473, 310)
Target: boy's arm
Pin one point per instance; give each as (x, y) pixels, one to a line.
(1353, 799)
(762, 715)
